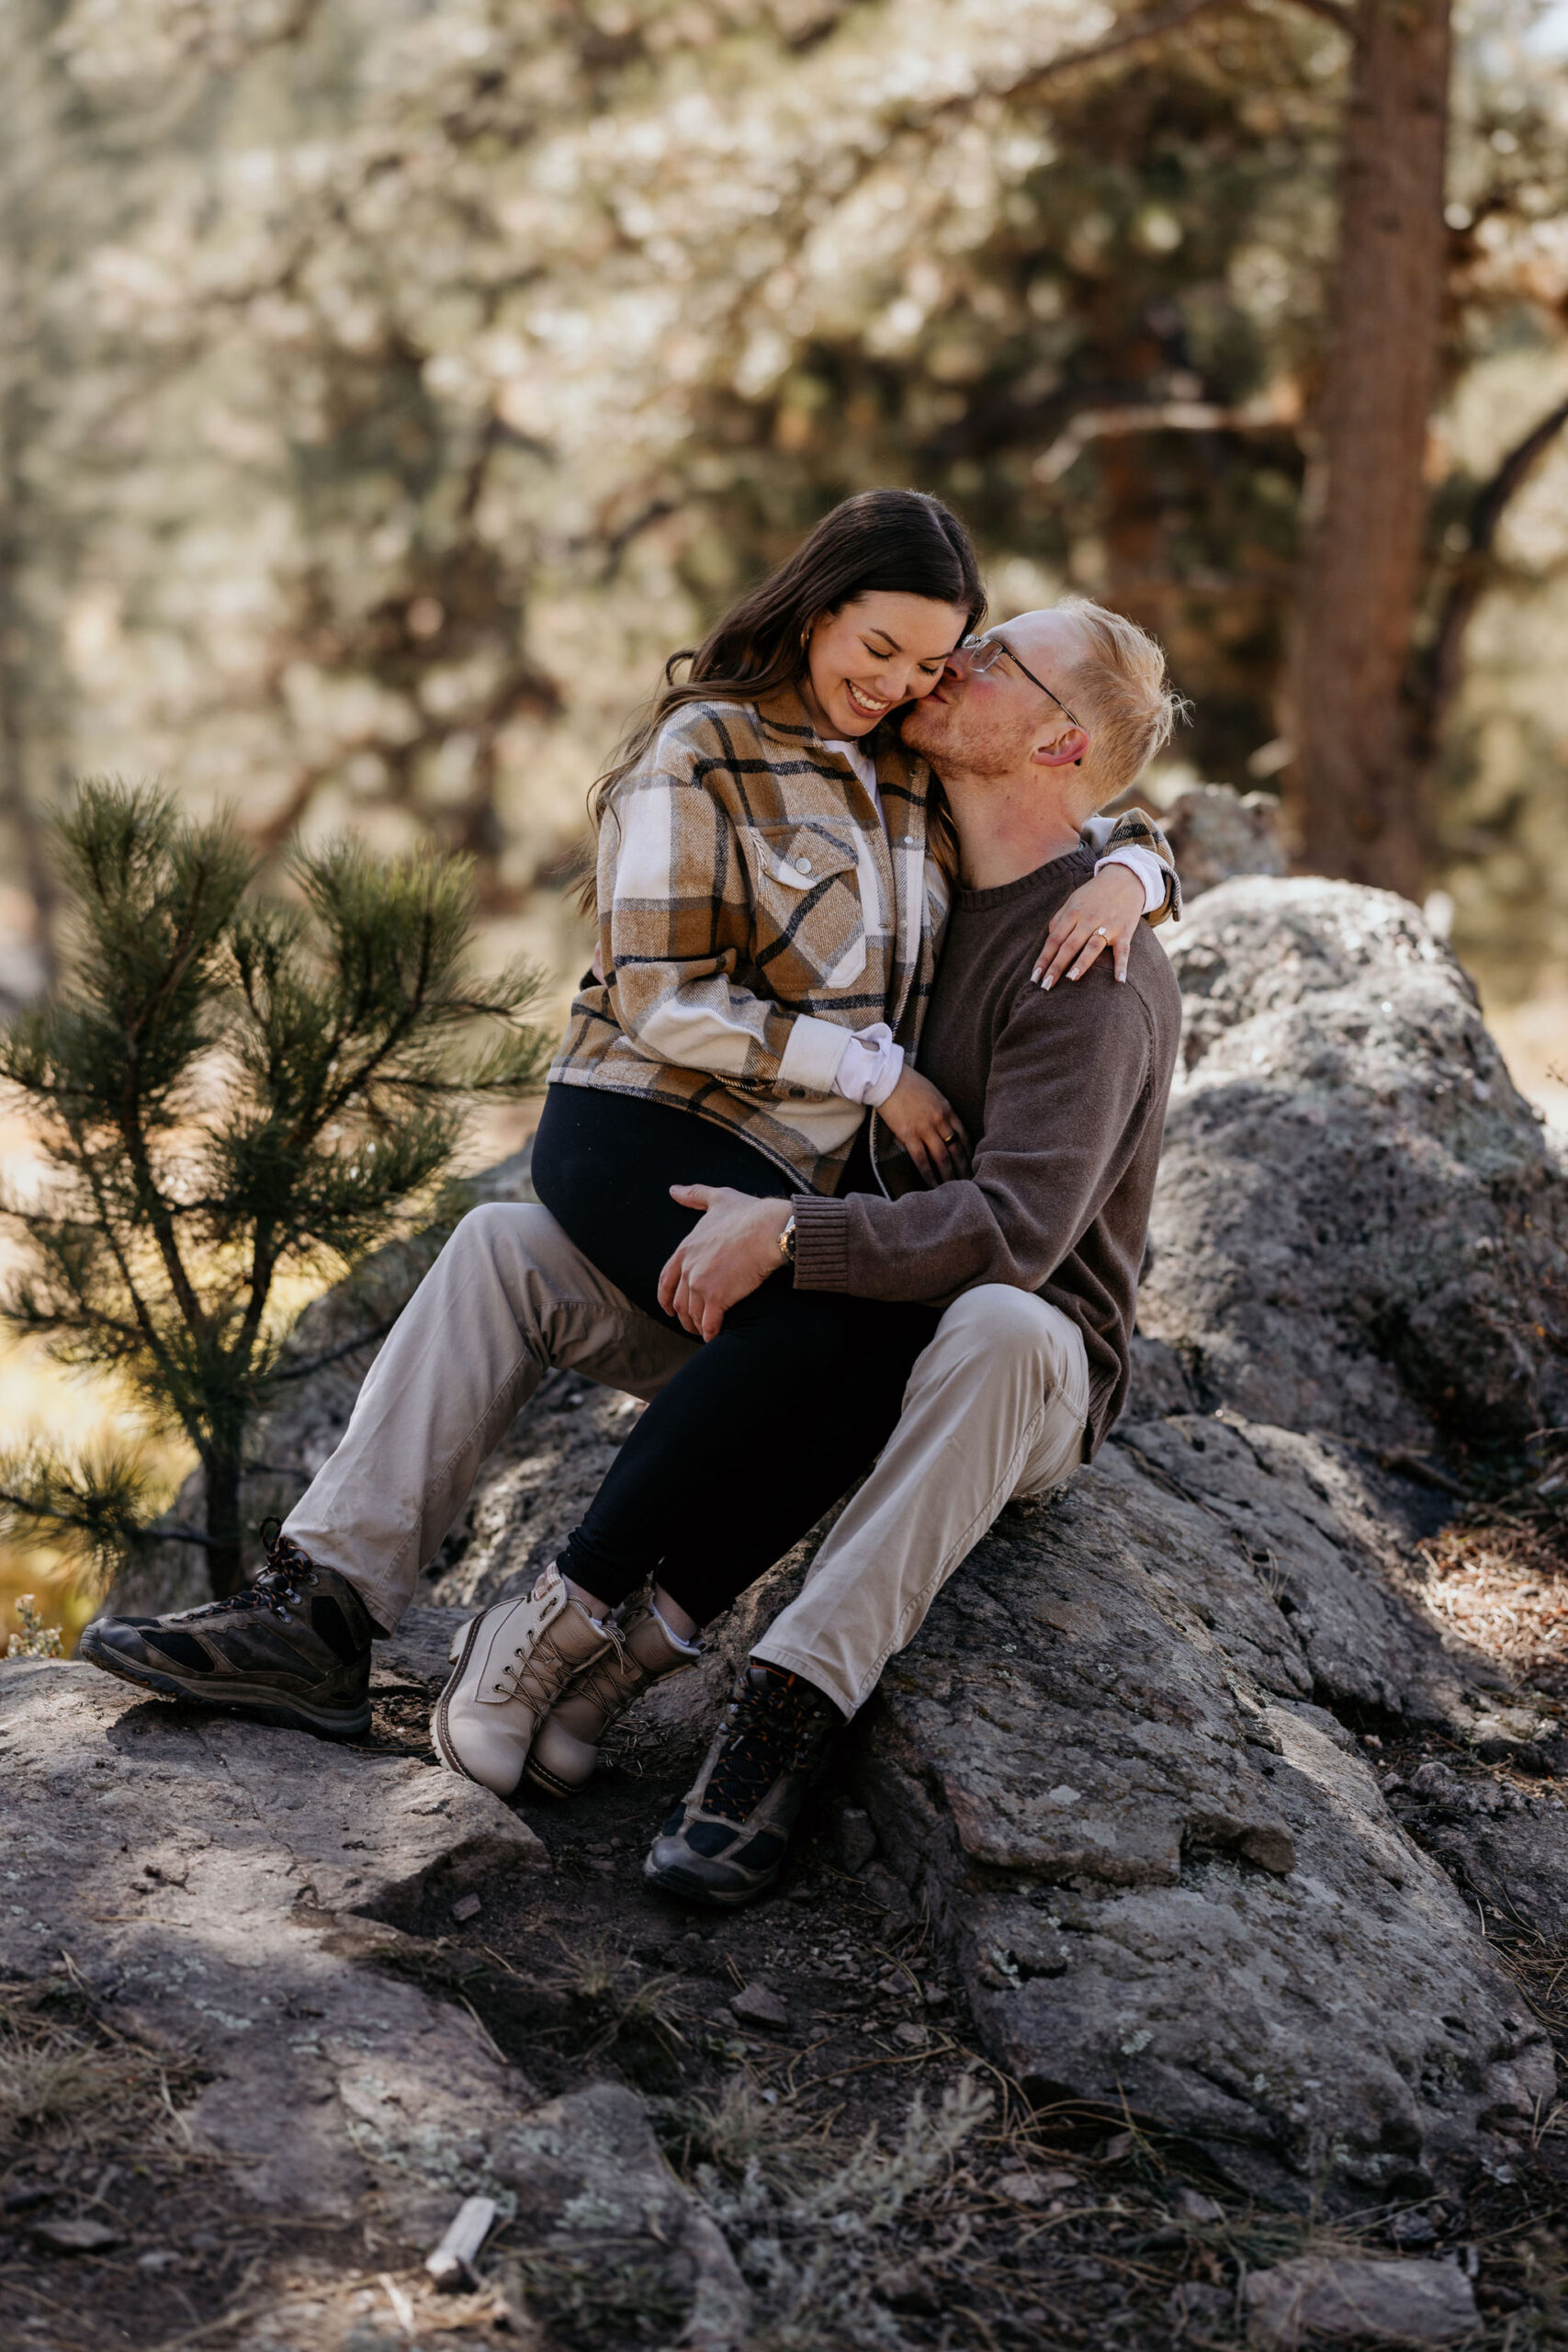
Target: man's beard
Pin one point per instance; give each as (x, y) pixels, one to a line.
(928, 726)
(950, 732)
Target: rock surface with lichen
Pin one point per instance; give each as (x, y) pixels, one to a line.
(225, 1890)
(1362, 1227)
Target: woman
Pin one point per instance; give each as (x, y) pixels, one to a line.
(773, 869)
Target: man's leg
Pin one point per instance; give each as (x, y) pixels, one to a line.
(994, 1408)
(508, 1298)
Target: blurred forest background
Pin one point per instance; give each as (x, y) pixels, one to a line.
(386, 388)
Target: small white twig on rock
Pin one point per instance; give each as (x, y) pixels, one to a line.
(402, 2310)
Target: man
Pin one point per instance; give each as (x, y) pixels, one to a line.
(1056, 1205)
(1039, 1248)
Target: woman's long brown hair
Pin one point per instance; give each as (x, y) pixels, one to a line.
(900, 541)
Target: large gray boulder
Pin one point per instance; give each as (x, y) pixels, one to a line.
(191, 1866)
(1109, 1765)
(1116, 1759)
(1362, 1226)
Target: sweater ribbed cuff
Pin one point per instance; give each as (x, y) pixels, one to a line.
(821, 1242)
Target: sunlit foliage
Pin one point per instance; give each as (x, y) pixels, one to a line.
(399, 385)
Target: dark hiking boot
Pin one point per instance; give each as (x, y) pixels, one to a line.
(292, 1649)
(726, 1842)
(565, 1746)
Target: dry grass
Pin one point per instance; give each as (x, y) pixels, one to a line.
(67, 2081)
(621, 1996)
(779, 2142)
(1496, 1578)
(819, 2225)
(34, 1638)
(982, 2220)
(46, 2079)
(599, 2294)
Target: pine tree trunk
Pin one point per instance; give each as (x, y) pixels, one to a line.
(224, 1562)
(1355, 791)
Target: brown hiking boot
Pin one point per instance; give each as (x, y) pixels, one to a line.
(292, 1649)
(565, 1746)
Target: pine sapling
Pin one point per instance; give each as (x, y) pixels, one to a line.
(232, 1092)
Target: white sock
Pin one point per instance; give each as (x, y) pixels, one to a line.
(687, 1649)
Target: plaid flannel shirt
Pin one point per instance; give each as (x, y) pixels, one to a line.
(753, 911)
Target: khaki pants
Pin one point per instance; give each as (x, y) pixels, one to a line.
(509, 1299)
(995, 1407)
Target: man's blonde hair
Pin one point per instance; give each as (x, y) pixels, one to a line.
(1122, 691)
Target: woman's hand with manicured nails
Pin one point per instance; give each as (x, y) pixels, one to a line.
(927, 1126)
(1104, 911)
(727, 1254)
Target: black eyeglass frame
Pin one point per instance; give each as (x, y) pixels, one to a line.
(971, 643)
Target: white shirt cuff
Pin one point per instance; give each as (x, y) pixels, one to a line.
(1149, 870)
(870, 1066)
(812, 1053)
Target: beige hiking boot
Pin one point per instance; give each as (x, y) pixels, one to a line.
(512, 1664)
(566, 1746)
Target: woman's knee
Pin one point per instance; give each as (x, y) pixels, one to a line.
(792, 1337)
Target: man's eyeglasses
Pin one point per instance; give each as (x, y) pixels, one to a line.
(983, 653)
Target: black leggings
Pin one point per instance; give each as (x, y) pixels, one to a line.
(770, 1422)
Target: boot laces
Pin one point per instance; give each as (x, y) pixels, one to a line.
(614, 1678)
(524, 1663)
(775, 1727)
(276, 1585)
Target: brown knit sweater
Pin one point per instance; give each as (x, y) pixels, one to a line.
(1064, 1099)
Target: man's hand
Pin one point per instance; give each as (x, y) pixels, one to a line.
(1104, 911)
(725, 1258)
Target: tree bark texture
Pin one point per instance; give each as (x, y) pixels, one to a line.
(1354, 792)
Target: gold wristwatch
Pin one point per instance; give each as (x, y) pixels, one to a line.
(786, 1242)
